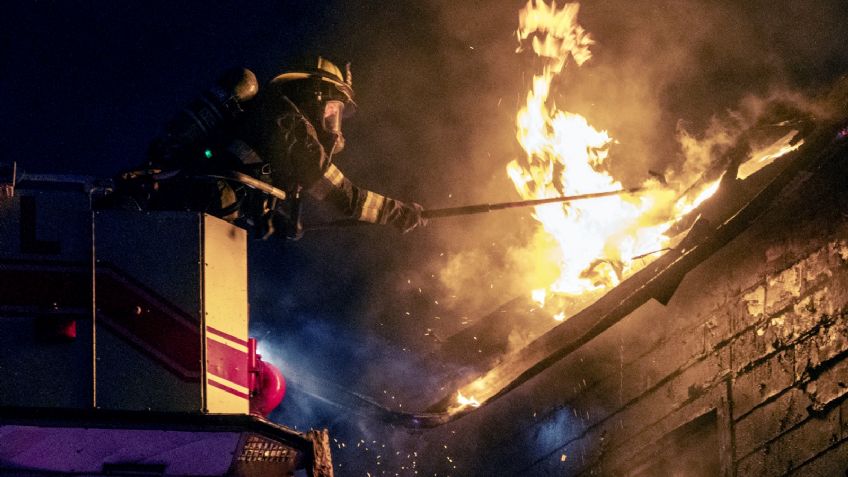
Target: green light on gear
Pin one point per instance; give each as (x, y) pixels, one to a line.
(208, 153)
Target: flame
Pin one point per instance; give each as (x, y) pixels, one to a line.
(539, 295)
(464, 402)
(684, 205)
(565, 155)
(768, 154)
(560, 35)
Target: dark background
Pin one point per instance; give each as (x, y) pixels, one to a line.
(84, 86)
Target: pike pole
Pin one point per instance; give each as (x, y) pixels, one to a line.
(484, 208)
(427, 213)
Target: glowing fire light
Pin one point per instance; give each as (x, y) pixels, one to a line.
(683, 206)
(466, 401)
(765, 157)
(565, 155)
(539, 295)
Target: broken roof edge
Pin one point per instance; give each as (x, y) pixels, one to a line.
(657, 281)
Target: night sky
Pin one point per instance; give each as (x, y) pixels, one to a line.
(86, 85)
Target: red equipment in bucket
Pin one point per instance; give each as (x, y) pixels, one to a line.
(267, 383)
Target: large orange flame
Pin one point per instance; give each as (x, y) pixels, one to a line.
(566, 156)
(598, 239)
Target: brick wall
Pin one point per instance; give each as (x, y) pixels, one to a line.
(755, 339)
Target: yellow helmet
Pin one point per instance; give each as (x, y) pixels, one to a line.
(325, 80)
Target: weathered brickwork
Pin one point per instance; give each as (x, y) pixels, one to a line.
(771, 420)
(830, 463)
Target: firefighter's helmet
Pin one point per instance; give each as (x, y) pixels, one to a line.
(322, 92)
(323, 82)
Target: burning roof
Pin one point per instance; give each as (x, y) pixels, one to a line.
(737, 204)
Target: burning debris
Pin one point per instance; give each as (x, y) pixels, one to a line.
(466, 402)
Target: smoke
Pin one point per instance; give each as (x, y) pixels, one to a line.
(529, 264)
(756, 123)
(328, 367)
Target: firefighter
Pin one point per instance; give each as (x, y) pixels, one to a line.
(285, 134)
(296, 126)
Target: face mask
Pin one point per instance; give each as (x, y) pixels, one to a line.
(331, 122)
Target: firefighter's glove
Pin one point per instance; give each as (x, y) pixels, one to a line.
(411, 216)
